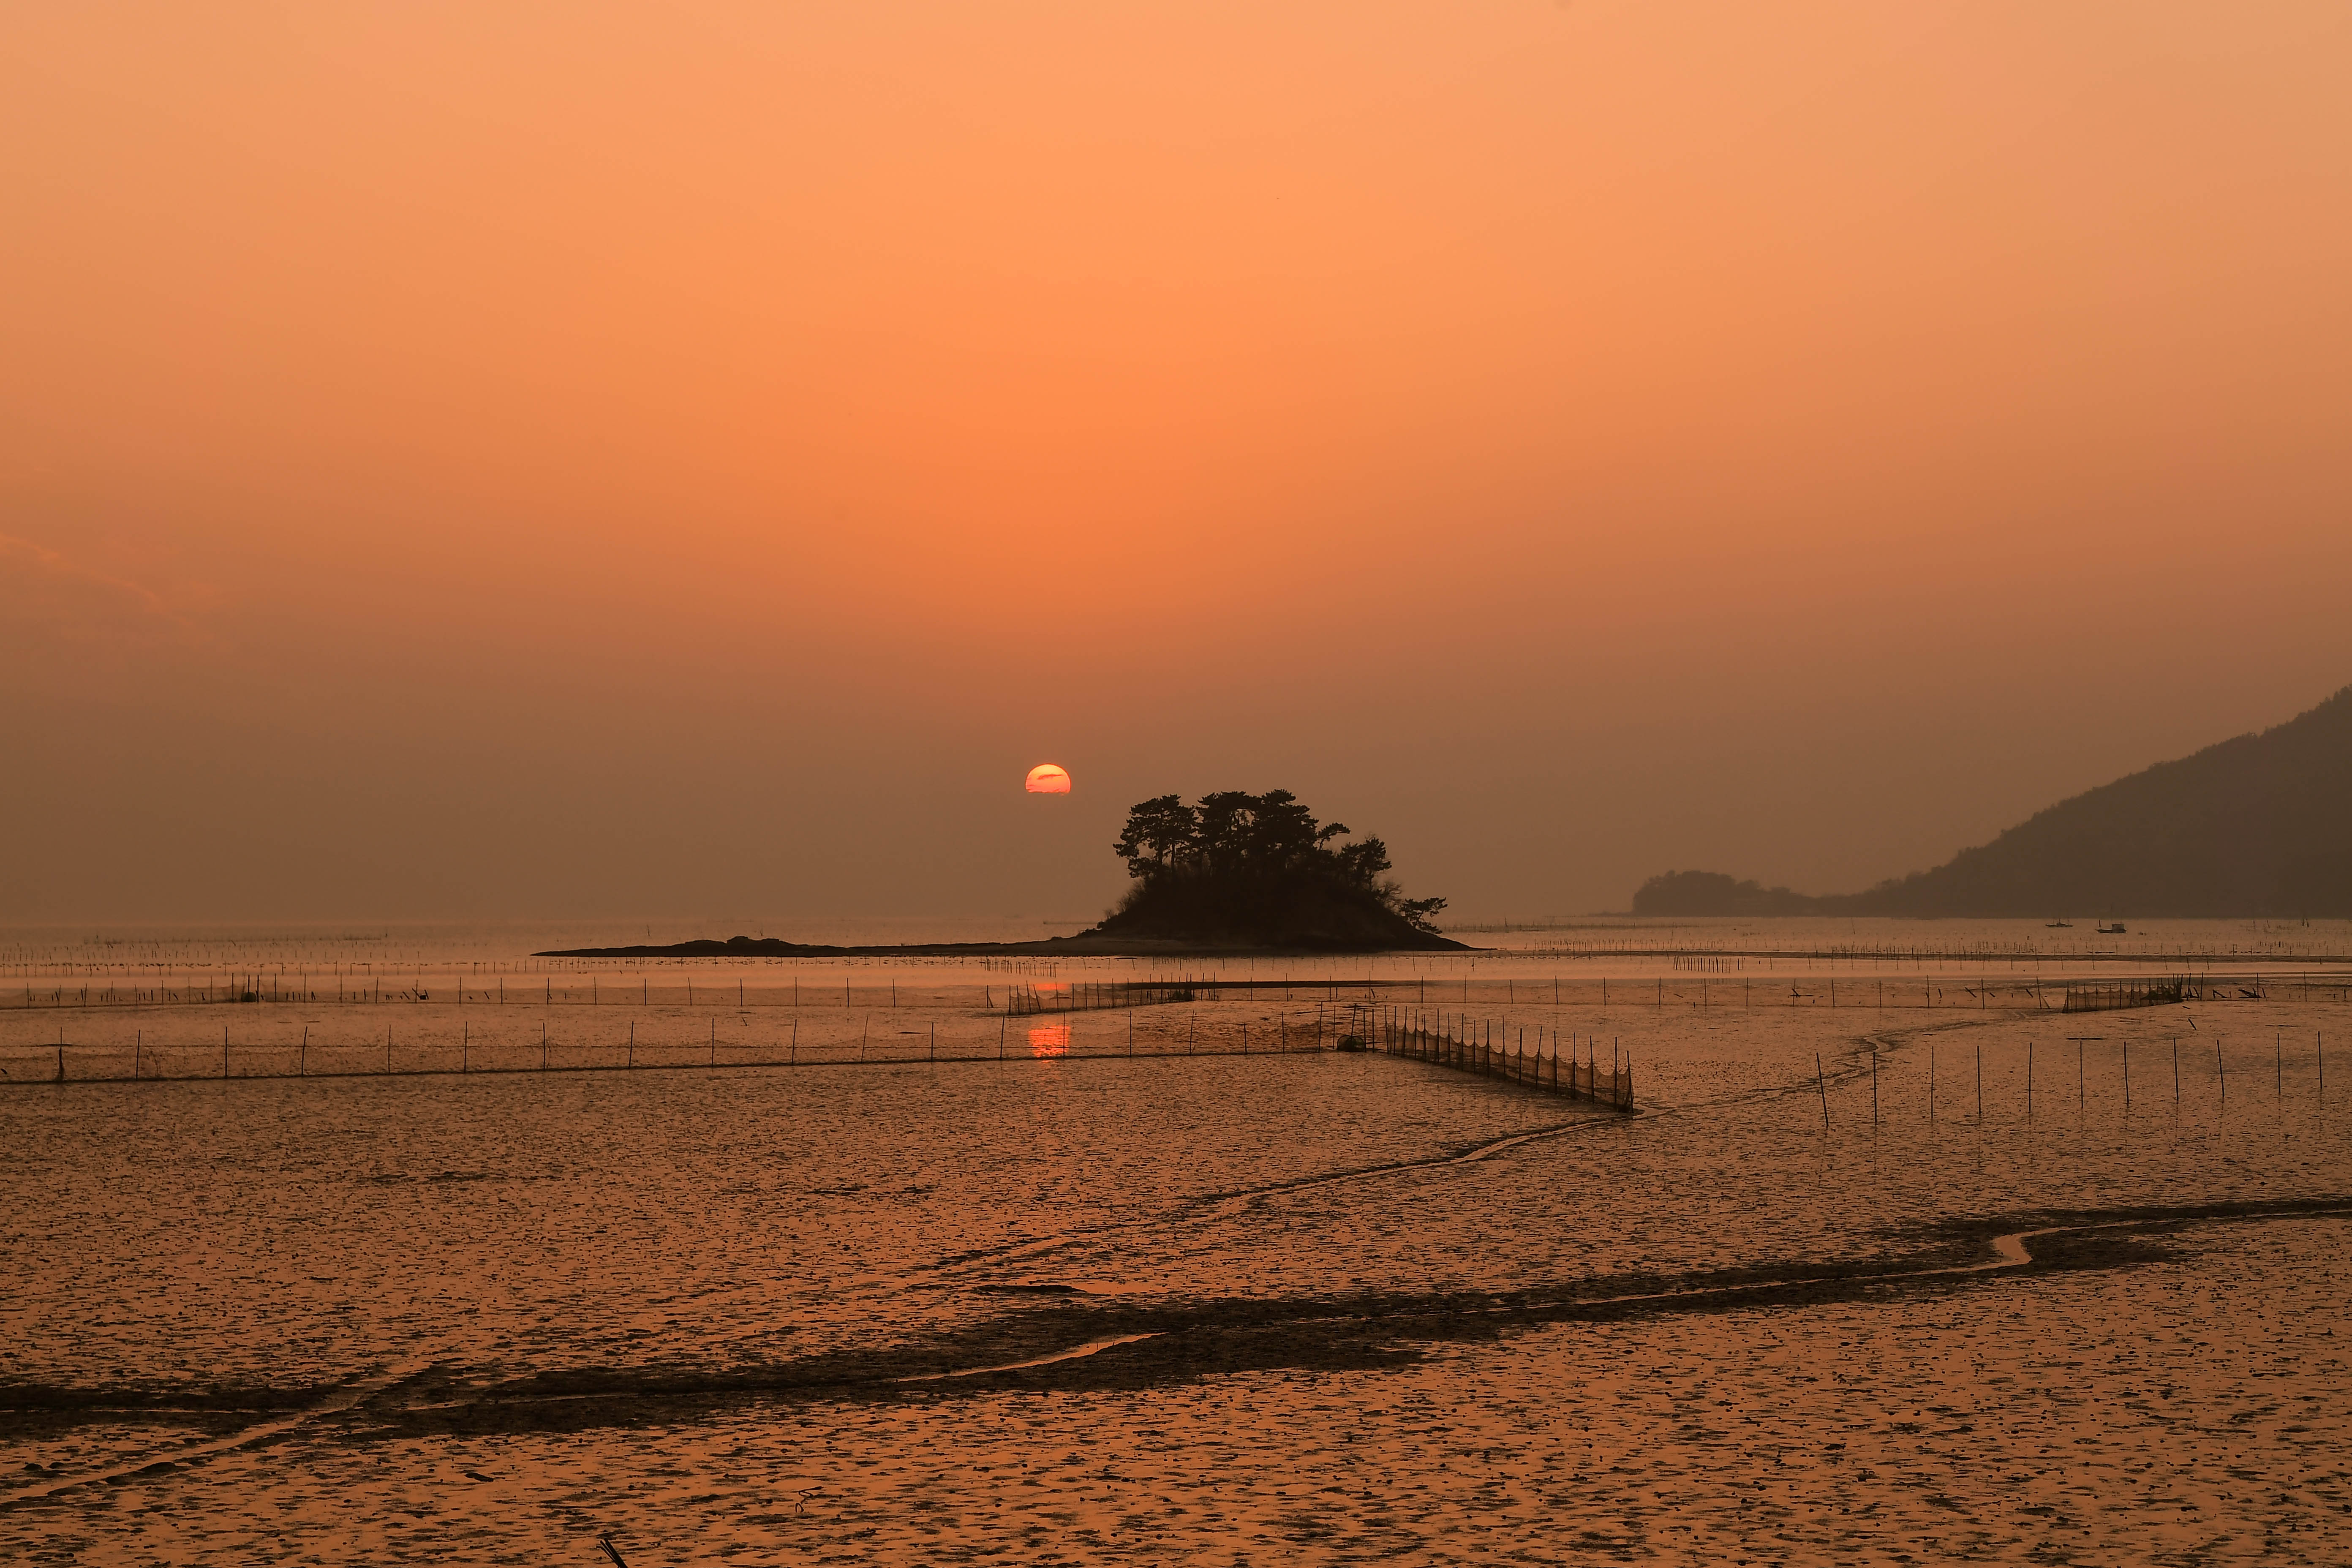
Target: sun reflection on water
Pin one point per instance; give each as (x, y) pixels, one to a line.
(1049, 1040)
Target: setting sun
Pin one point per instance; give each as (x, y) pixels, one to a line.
(1047, 779)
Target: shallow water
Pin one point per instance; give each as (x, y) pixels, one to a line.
(1339, 1307)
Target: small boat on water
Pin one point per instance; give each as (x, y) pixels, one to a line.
(2058, 925)
(2114, 930)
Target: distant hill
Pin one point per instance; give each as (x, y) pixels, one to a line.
(2258, 826)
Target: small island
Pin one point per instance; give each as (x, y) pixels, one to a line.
(1259, 870)
(1235, 873)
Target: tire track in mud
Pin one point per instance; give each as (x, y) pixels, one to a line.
(343, 1397)
(2007, 1251)
(1052, 1358)
(2010, 1251)
(1181, 1346)
(1213, 1208)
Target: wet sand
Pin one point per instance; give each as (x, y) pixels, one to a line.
(1319, 1308)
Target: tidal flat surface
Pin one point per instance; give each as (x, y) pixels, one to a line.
(1333, 1308)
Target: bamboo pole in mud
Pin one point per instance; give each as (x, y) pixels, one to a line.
(1819, 1083)
(1980, 1083)
(1874, 1083)
(2028, 1081)
(2221, 1073)
(2278, 1062)
(2176, 1072)
(633, 1042)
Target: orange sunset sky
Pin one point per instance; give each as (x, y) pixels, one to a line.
(692, 461)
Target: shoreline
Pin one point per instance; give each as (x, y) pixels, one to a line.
(1084, 945)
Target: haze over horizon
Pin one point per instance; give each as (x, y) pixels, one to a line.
(547, 463)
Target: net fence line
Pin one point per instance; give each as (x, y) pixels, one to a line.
(316, 1053)
(1704, 989)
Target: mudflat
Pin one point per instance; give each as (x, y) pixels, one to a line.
(1837, 1287)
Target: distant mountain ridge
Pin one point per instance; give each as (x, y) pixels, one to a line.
(2260, 825)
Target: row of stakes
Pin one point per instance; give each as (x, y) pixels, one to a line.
(2221, 1074)
(1820, 1072)
(791, 1059)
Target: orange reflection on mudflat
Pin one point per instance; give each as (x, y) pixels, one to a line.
(1049, 1040)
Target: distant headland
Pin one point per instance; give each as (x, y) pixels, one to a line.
(2255, 826)
(1233, 874)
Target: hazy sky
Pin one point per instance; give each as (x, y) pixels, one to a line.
(693, 459)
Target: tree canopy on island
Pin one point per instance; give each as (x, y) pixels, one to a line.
(1259, 867)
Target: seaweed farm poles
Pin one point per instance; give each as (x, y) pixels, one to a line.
(1469, 1046)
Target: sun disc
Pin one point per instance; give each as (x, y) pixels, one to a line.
(1045, 778)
